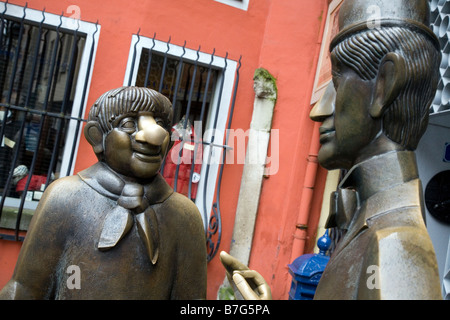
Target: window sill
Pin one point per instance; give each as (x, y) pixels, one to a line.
(9, 218)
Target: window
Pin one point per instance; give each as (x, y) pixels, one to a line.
(240, 4)
(45, 63)
(175, 79)
(201, 87)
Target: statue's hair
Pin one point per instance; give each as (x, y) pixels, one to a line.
(406, 119)
(124, 100)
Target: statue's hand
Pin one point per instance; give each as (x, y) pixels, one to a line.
(249, 283)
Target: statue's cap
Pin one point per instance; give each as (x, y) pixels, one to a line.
(359, 15)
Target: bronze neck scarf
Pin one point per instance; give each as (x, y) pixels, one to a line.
(134, 206)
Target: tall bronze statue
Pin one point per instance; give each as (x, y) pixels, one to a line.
(116, 230)
(385, 64)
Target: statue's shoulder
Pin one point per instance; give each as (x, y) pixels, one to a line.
(63, 186)
(56, 207)
(66, 181)
(404, 223)
(412, 241)
(185, 214)
(187, 206)
(397, 234)
(63, 193)
(405, 258)
(399, 254)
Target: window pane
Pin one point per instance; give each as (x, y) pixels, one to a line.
(150, 76)
(38, 68)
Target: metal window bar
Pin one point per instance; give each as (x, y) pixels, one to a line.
(213, 228)
(188, 111)
(83, 98)
(202, 114)
(48, 118)
(215, 221)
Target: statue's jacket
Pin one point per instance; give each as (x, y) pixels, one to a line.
(385, 252)
(62, 256)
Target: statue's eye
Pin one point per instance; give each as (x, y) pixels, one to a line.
(159, 122)
(128, 125)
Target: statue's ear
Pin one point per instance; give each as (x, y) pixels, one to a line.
(390, 81)
(94, 135)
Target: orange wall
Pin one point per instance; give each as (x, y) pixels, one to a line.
(281, 36)
(9, 251)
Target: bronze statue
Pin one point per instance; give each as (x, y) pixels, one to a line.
(116, 230)
(385, 73)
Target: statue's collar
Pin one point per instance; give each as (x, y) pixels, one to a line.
(134, 207)
(380, 173)
(371, 188)
(108, 183)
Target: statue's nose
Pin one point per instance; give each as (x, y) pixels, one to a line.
(325, 106)
(150, 132)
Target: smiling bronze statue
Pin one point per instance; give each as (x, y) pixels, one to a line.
(117, 226)
(385, 72)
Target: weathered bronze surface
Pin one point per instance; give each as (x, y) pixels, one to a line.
(116, 230)
(385, 73)
(385, 64)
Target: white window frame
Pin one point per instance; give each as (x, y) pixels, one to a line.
(92, 32)
(240, 4)
(189, 55)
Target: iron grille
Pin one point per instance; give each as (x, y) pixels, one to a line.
(39, 68)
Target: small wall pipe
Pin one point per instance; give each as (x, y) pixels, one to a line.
(298, 246)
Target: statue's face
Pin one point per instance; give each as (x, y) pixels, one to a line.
(347, 129)
(137, 145)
